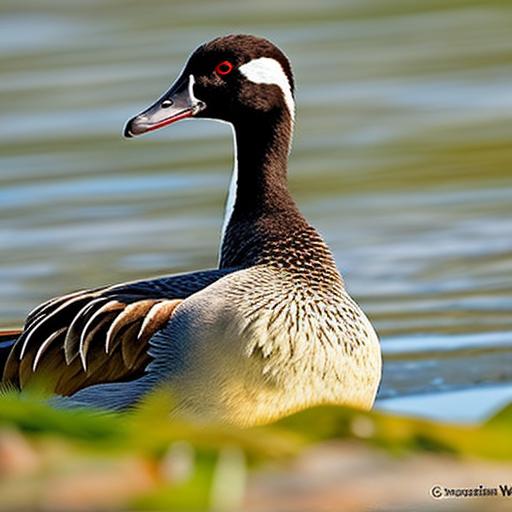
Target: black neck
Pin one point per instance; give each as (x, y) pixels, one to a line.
(265, 218)
(262, 152)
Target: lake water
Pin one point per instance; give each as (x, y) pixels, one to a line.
(402, 159)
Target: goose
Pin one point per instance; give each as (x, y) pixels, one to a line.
(269, 332)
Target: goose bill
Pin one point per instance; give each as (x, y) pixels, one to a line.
(177, 103)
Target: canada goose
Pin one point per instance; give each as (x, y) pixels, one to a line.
(271, 331)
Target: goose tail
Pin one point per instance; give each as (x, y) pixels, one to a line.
(7, 340)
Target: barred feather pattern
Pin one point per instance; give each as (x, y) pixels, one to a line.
(263, 342)
(307, 332)
(97, 336)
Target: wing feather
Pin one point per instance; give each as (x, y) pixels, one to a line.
(132, 313)
(93, 336)
(156, 318)
(45, 346)
(77, 326)
(97, 336)
(128, 343)
(50, 322)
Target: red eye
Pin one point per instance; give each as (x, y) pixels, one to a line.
(224, 68)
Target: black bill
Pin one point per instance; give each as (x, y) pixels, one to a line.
(177, 103)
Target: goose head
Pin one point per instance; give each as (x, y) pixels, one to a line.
(235, 78)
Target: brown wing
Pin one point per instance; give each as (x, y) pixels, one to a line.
(8, 338)
(97, 336)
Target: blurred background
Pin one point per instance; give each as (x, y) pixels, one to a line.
(402, 159)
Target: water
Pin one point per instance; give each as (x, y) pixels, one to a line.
(402, 159)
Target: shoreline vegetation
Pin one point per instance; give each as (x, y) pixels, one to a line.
(319, 458)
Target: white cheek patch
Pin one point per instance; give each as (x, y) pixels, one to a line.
(191, 82)
(197, 104)
(269, 71)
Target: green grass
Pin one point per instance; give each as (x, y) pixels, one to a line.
(214, 458)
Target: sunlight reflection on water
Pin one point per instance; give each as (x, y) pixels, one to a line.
(401, 159)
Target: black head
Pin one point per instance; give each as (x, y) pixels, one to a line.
(230, 78)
